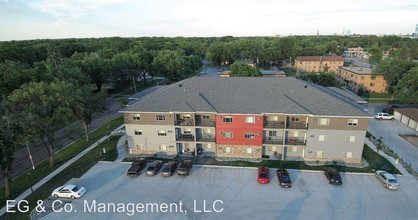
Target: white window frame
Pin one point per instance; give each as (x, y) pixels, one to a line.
(323, 121)
(294, 119)
(249, 135)
(162, 133)
(320, 152)
(352, 122)
(293, 149)
(206, 117)
(227, 119)
(250, 119)
(160, 117)
(322, 138)
(163, 147)
(272, 133)
(187, 131)
(207, 146)
(227, 150)
(186, 116)
(350, 139)
(138, 132)
(249, 150)
(136, 117)
(228, 135)
(347, 155)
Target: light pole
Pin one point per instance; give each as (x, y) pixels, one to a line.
(30, 157)
(30, 184)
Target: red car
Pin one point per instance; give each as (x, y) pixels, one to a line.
(263, 175)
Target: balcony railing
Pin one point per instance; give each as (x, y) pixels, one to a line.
(295, 141)
(206, 138)
(185, 137)
(274, 124)
(300, 125)
(273, 140)
(205, 123)
(185, 122)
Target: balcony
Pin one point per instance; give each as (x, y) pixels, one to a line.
(205, 123)
(274, 124)
(299, 125)
(185, 122)
(273, 140)
(185, 137)
(295, 141)
(206, 138)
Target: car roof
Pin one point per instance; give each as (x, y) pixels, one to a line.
(388, 175)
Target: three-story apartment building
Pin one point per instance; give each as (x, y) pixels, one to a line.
(357, 77)
(318, 63)
(240, 117)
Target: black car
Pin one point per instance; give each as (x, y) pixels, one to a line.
(154, 167)
(136, 168)
(333, 176)
(169, 168)
(185, 168)
(284, 178)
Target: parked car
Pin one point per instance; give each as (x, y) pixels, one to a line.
(388, 180)
(136, 168)
(284, 178)
(391, 107)
(184, 168)
(169, 168)
(384, 116)
(263, 176)
(69, 191)
(154, 167)
(333, 176)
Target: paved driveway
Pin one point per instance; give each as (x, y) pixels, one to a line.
(360, 197)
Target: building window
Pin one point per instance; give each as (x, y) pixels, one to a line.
(228, 134)
(227, 119)
(371, 84)
(350, 139)
(163, 147)
(352, 122)
(273, 118)
(162, 133)
(142, 147)
(187, 131)
(250, 119)
(136, 117)
(160, 117)
(207, 131)
(206, 117)
(322, 138)
(249, 136)
(294, 119)
(323, 121)
(249, 150)
(186, 116)
(138, 132)
(208, 146)
(347, 155)
(227, 150)
(272, 133)
(320, 153)
(293, 149)
(272, 148)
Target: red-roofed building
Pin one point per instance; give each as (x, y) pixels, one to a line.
(318, 63)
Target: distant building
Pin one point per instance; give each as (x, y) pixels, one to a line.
(318, 63)
(265, 73)
(357, 52)
(357, 77)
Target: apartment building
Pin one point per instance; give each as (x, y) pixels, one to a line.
(357, 77)
(246, 117)
(318, 63)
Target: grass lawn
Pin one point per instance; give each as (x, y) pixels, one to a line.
(289, 71)
(375, 162)
(20, 183)
(76, 170)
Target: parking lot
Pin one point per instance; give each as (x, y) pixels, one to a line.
(361, 196)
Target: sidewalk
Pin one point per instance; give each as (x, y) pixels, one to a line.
(61, 168)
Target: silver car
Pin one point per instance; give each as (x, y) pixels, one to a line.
(388, 180)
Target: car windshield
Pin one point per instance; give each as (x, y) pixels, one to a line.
(166, 168)
(285, 179)
(392, 181)
(151, 167)
(263, 175)
(75, 189)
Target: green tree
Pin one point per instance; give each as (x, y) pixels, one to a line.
(376, 54)
(10, 137)
(13, 75)
(394, 69)
(407, 88)
(242, 69)
(220, 53)
(43, 109)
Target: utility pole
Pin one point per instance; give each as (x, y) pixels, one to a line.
(133, 80)
(30, 156)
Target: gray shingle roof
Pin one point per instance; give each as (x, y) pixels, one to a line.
(244, 95)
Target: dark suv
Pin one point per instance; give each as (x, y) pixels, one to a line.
(136, 168)
(333, 176)
(284, 178)
(185, 168)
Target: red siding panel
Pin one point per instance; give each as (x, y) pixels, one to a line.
(239, 128)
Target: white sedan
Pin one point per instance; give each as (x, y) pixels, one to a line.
(384, 116)
(388, 180)
(69, 191)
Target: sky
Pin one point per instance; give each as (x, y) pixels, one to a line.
(40, 19)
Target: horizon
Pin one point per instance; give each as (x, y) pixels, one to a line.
(60, 19)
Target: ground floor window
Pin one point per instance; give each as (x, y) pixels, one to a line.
(350, 139)
(320, 153)
(272, 148)
(249, 150)
(163, 147)
(208, 146)
(227, 150)
(293, 149)
(347, 155)
(138, 132)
